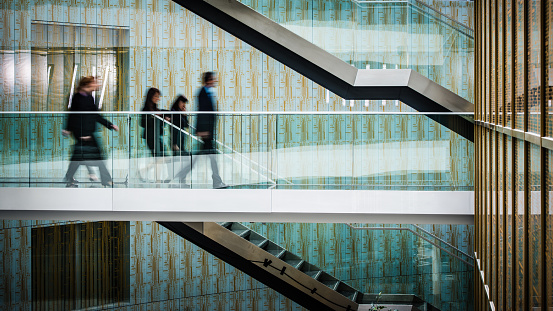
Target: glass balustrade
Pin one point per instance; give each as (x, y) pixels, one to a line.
(397, 151)
(402, 34)
(383, 259)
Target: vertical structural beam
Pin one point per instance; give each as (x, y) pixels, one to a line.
(488, 62)
(504, 262)
(543, 153)
(497, 220)
(478, 142)
(504, 168)
(485, 203)
(526, 170)
(513, 143)
(495, 76)
(526, 220)
(495, 288)
(513, 63)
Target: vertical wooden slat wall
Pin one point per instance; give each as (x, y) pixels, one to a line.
(513, 151)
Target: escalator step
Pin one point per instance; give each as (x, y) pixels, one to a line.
(226, 224)
(331, 283)
(299, 264)
(314, 274)
(241, 232)
(281, 254)
(274, 252)
(259, 243)
(294, 263)
(351, 295)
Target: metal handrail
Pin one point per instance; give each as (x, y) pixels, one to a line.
(358, 2)
(247, 112)
(443, 241)
(417, 234)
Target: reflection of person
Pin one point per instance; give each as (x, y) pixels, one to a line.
(178, 138)
(205, 128)
(153, 131)
(83, 126)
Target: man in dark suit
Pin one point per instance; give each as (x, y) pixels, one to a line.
(205, 128)
(205, 125)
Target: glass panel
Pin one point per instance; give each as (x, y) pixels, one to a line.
(406, 263)
(520, 273)
(355, 151)
(510, 178)
(501, 219)
(493, 65)
(129, 55)
(493, 215)
(62, 53)
(487, 206)
(72, 256)
(549, 67)
(549, 229)
(534, 37)
(500, 64)
(487, 63)
(509, 7)
(519, 64)
(535, 227)
(383, 35)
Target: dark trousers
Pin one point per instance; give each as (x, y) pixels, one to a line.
(105, 177)
(207, 149)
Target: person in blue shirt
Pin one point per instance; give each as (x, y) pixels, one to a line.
(205, 128)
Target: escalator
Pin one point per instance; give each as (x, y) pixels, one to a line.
(331, 72)
(282, 270)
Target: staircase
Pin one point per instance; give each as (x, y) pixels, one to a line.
(329, 71)
(280, 269)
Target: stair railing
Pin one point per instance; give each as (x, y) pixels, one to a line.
(468, 262)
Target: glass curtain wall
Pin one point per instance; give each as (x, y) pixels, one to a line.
(514, 149)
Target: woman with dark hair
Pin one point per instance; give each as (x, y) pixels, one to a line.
(178, 138)
(86, 149)
(153, 126)
(153, 132)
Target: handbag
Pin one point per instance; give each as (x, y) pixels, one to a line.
(86, 151)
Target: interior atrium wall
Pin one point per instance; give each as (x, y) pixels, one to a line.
(513, 187)
(166, 46)
(61, 265)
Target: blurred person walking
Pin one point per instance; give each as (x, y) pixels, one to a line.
(86, 149)
(180, 121)
(205, 128)
(153, 134)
